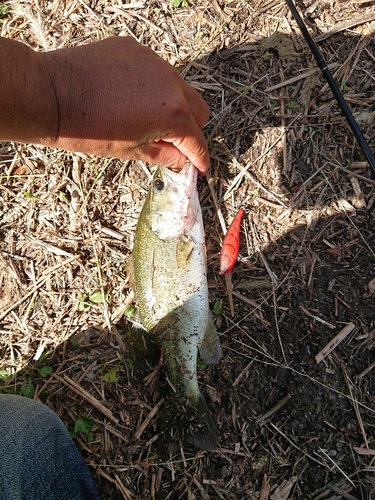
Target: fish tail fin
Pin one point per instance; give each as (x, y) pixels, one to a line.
(187, 420)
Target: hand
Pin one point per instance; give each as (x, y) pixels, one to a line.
(119, 98)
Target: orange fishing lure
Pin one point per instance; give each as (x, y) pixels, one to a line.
(231, 245)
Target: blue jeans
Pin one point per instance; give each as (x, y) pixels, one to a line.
(38, 459)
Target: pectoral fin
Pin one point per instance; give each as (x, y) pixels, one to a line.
(210, 349)
(141, 345)
(129, 271)
(183, 252)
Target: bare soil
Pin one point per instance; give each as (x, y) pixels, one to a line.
(288, 427)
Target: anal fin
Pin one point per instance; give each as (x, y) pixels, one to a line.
(210, 349)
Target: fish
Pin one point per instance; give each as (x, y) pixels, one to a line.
(170, 275)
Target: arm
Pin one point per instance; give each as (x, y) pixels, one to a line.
(113, 98)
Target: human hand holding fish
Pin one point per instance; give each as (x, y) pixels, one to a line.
(114, 98)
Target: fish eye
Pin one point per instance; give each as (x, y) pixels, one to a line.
(159, 185)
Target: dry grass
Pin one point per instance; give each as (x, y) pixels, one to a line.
(287, 427)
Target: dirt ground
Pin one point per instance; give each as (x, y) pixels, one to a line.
(288, 427)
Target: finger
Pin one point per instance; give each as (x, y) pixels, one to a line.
(162, 153)
(193, 145)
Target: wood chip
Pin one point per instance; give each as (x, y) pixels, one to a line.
(334, 342)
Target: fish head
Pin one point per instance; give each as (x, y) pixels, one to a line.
(171, 201)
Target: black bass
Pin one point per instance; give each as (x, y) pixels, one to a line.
(169, 262)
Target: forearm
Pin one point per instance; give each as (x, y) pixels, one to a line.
(28, 107)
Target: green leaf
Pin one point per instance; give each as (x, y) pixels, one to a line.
(45, 371)
(130, 364)
(218, 308)
(291, 105)
(74, 341)
(178, 3)
(345, 87)
(130, 311)
(82, 304)
(28, 390)
(72, 433)
(201, 364)
(44, 356)
(31, 196)
(96, 297)
(83, 424)
(62, 197)
(111, 376)
(4, 374)
(3, 10)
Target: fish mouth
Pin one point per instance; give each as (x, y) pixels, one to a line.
(187, 177)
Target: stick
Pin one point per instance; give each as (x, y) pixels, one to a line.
(86, 395)
(138, 433)
(364, 451)
(338, 468)
(261, 420)
(334, 342)
(316, 318)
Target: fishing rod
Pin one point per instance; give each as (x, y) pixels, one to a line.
(331, 82)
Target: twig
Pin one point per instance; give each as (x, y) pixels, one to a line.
(127, 495)
(277, 327)
(290, 81)
(337, 467)
(112, 233)
(243, 371)
(130, 16)
(229, 285)
(217, 206)
(346, 25)
(232, 452)
(295, 446)
(138, 433)
(343, 493)
(265, 490)
(100, 279)
(86, 395)
(257, 308)
(334, 342)
(364, 451)
(355, 405)
(366, 370)
(244, 172)
(262, 420)
(271, 274)
(319, 320)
